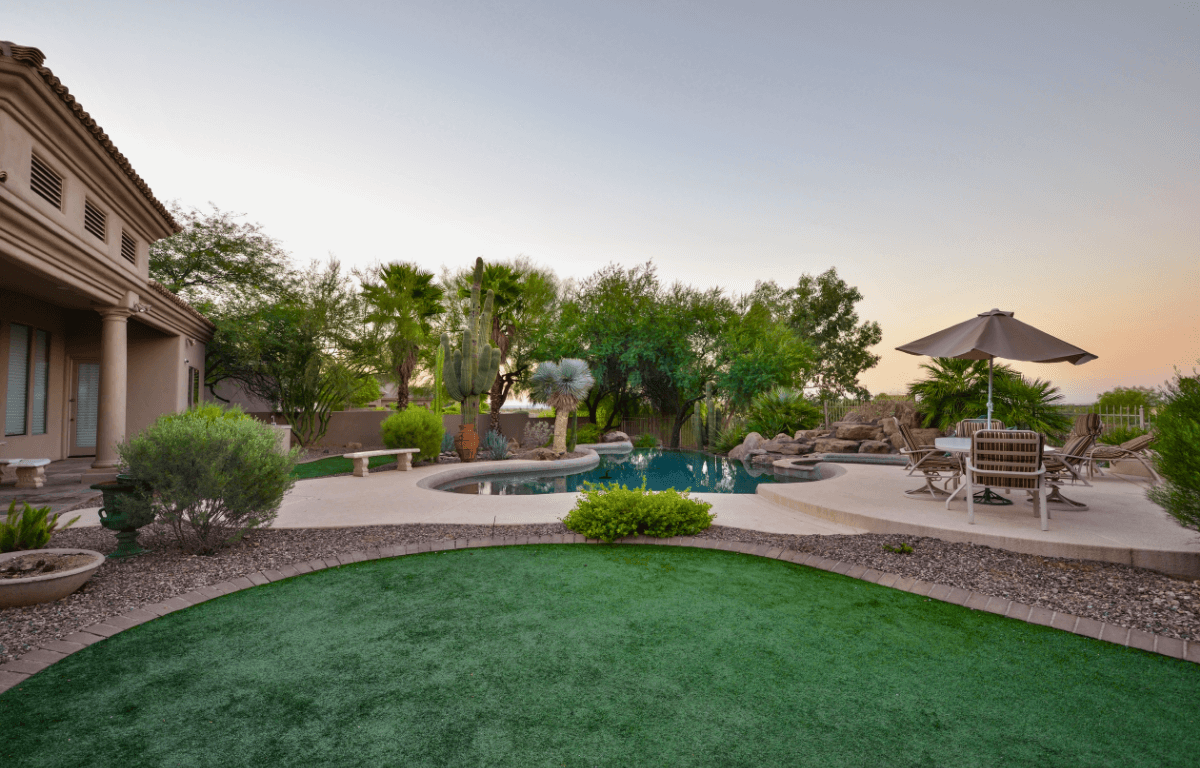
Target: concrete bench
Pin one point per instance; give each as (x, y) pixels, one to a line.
(31, 473)
(362, 458)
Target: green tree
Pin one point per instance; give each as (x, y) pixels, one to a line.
(1178, 461)
(822, 312)
(216, 258)
(402, 302)
(954, 389)
(1028, 404)
(1130, 398)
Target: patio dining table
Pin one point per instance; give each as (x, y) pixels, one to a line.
(961, 448)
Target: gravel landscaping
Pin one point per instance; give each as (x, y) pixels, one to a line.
(1118, 594)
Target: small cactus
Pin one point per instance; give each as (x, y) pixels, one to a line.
(474, 366)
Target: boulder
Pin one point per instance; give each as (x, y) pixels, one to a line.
(858, 432)
(538, 454)
(833, 445)
(774, 446)
(353, 447)
(926, 436)
(812, 434)
(752, 440)
(764, 460)
(615, 437)
(782, 437)
(854, 417)
(890, 426)
(795, 449)
(897, 441)
(739, 452)
(874, 446)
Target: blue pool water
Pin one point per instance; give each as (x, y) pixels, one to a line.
(660, 469)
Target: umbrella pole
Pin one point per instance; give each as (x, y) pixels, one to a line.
(989, 416)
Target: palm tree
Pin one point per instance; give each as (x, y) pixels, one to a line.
(954, 390)
(561, 385)
(402, 301)
(1031, 405)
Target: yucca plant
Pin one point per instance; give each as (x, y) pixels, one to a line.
(562, 386)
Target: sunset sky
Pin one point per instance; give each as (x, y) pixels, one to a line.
(947, 158)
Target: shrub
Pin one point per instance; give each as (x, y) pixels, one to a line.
(1130, 398)
(645, 440)
(31, 528)
(1118, 435)
(447, 442)
(588, 433)
(214, 475)
(536, 434)
(414, 428)
(730, 437)
(782, 410)
(497, 444)
(608, 512)
(1178, 461)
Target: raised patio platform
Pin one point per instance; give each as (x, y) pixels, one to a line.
(1120, 526)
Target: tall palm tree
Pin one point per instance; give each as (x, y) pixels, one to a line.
(561, 385)
(954, 390)
(402, 302)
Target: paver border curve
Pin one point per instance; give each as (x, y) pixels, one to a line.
(14, 673)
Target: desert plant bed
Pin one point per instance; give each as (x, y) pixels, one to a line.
(584, 656)
(1117, 594)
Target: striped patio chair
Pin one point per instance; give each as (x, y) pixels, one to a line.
(1007, 459)
(1137, 449)
(1069, 463)
(934, 465)
(968, 427)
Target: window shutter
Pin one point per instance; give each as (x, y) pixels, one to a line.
(87, 405)
(93, 219)
(41, 381)
(128, 248)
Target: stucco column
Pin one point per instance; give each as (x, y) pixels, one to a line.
(114, 374)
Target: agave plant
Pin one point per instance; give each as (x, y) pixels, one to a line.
(562, 386)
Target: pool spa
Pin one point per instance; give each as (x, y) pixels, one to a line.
(659, 469)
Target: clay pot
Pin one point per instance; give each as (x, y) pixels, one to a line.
(466, 442)
(42, 587)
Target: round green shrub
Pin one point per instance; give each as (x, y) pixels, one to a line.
(213, 474)
(782, 410)
(414, 428)
(608, 512)
(1178, 449)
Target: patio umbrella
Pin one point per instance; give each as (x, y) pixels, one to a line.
(997, 334)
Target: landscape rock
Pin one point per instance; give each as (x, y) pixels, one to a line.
(897, 441)
(834, 445)
(795, 449)
(926, 436)
(812, 434)
(351, 447)
(764, 460)
(752, 440)
(739, 452)
(858, 432)
(782, 437)
(890, 426)
(774, 446)
(874, 446)
(538, 454)
(615, 437)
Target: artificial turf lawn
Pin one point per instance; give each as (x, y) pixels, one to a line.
(336, 465)
(597, 656)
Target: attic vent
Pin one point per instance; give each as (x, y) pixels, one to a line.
(46, 182)
(129, 248)
(93, 219)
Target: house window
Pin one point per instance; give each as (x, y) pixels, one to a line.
(93, 219)
(45, 182)
(128, 248)
(193, 397)
(28, 375)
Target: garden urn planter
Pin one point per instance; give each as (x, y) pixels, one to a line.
(32, 576)
(126, 508)
(466, 442)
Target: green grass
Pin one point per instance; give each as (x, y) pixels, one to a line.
(598, 656)
(336, 465)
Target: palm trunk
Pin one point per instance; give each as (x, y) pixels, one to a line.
(560, 429)
(404, 372)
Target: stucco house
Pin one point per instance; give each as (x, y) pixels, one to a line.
(91, 349)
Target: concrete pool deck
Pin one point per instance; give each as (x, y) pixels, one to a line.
(1120, 526)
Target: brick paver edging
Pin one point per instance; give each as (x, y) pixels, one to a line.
(15, 672)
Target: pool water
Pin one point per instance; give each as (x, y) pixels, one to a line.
(700, 472)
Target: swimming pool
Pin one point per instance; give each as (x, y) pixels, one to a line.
(701, 472)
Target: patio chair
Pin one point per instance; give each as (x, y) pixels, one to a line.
(1007, 459)
(1069, 463)
(968, 427)
(1134, 450)
(934, 465)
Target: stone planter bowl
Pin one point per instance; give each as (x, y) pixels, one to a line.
(46, 587)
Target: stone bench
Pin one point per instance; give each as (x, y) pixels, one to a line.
(31, 473)
(362, 458)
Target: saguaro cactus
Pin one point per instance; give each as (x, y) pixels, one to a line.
(473, 367)
(439, 366)
(710, 408)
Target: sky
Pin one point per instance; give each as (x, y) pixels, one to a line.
(946, 158)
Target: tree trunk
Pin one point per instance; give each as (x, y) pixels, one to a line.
(404, 372)
(560, 429)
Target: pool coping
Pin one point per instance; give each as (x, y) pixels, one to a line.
(526, 466)
(14, 673)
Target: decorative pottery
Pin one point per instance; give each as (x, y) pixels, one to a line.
(466, 442)
(125, 509)
(44, 587)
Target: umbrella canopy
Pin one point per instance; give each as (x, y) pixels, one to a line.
(997, 334)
